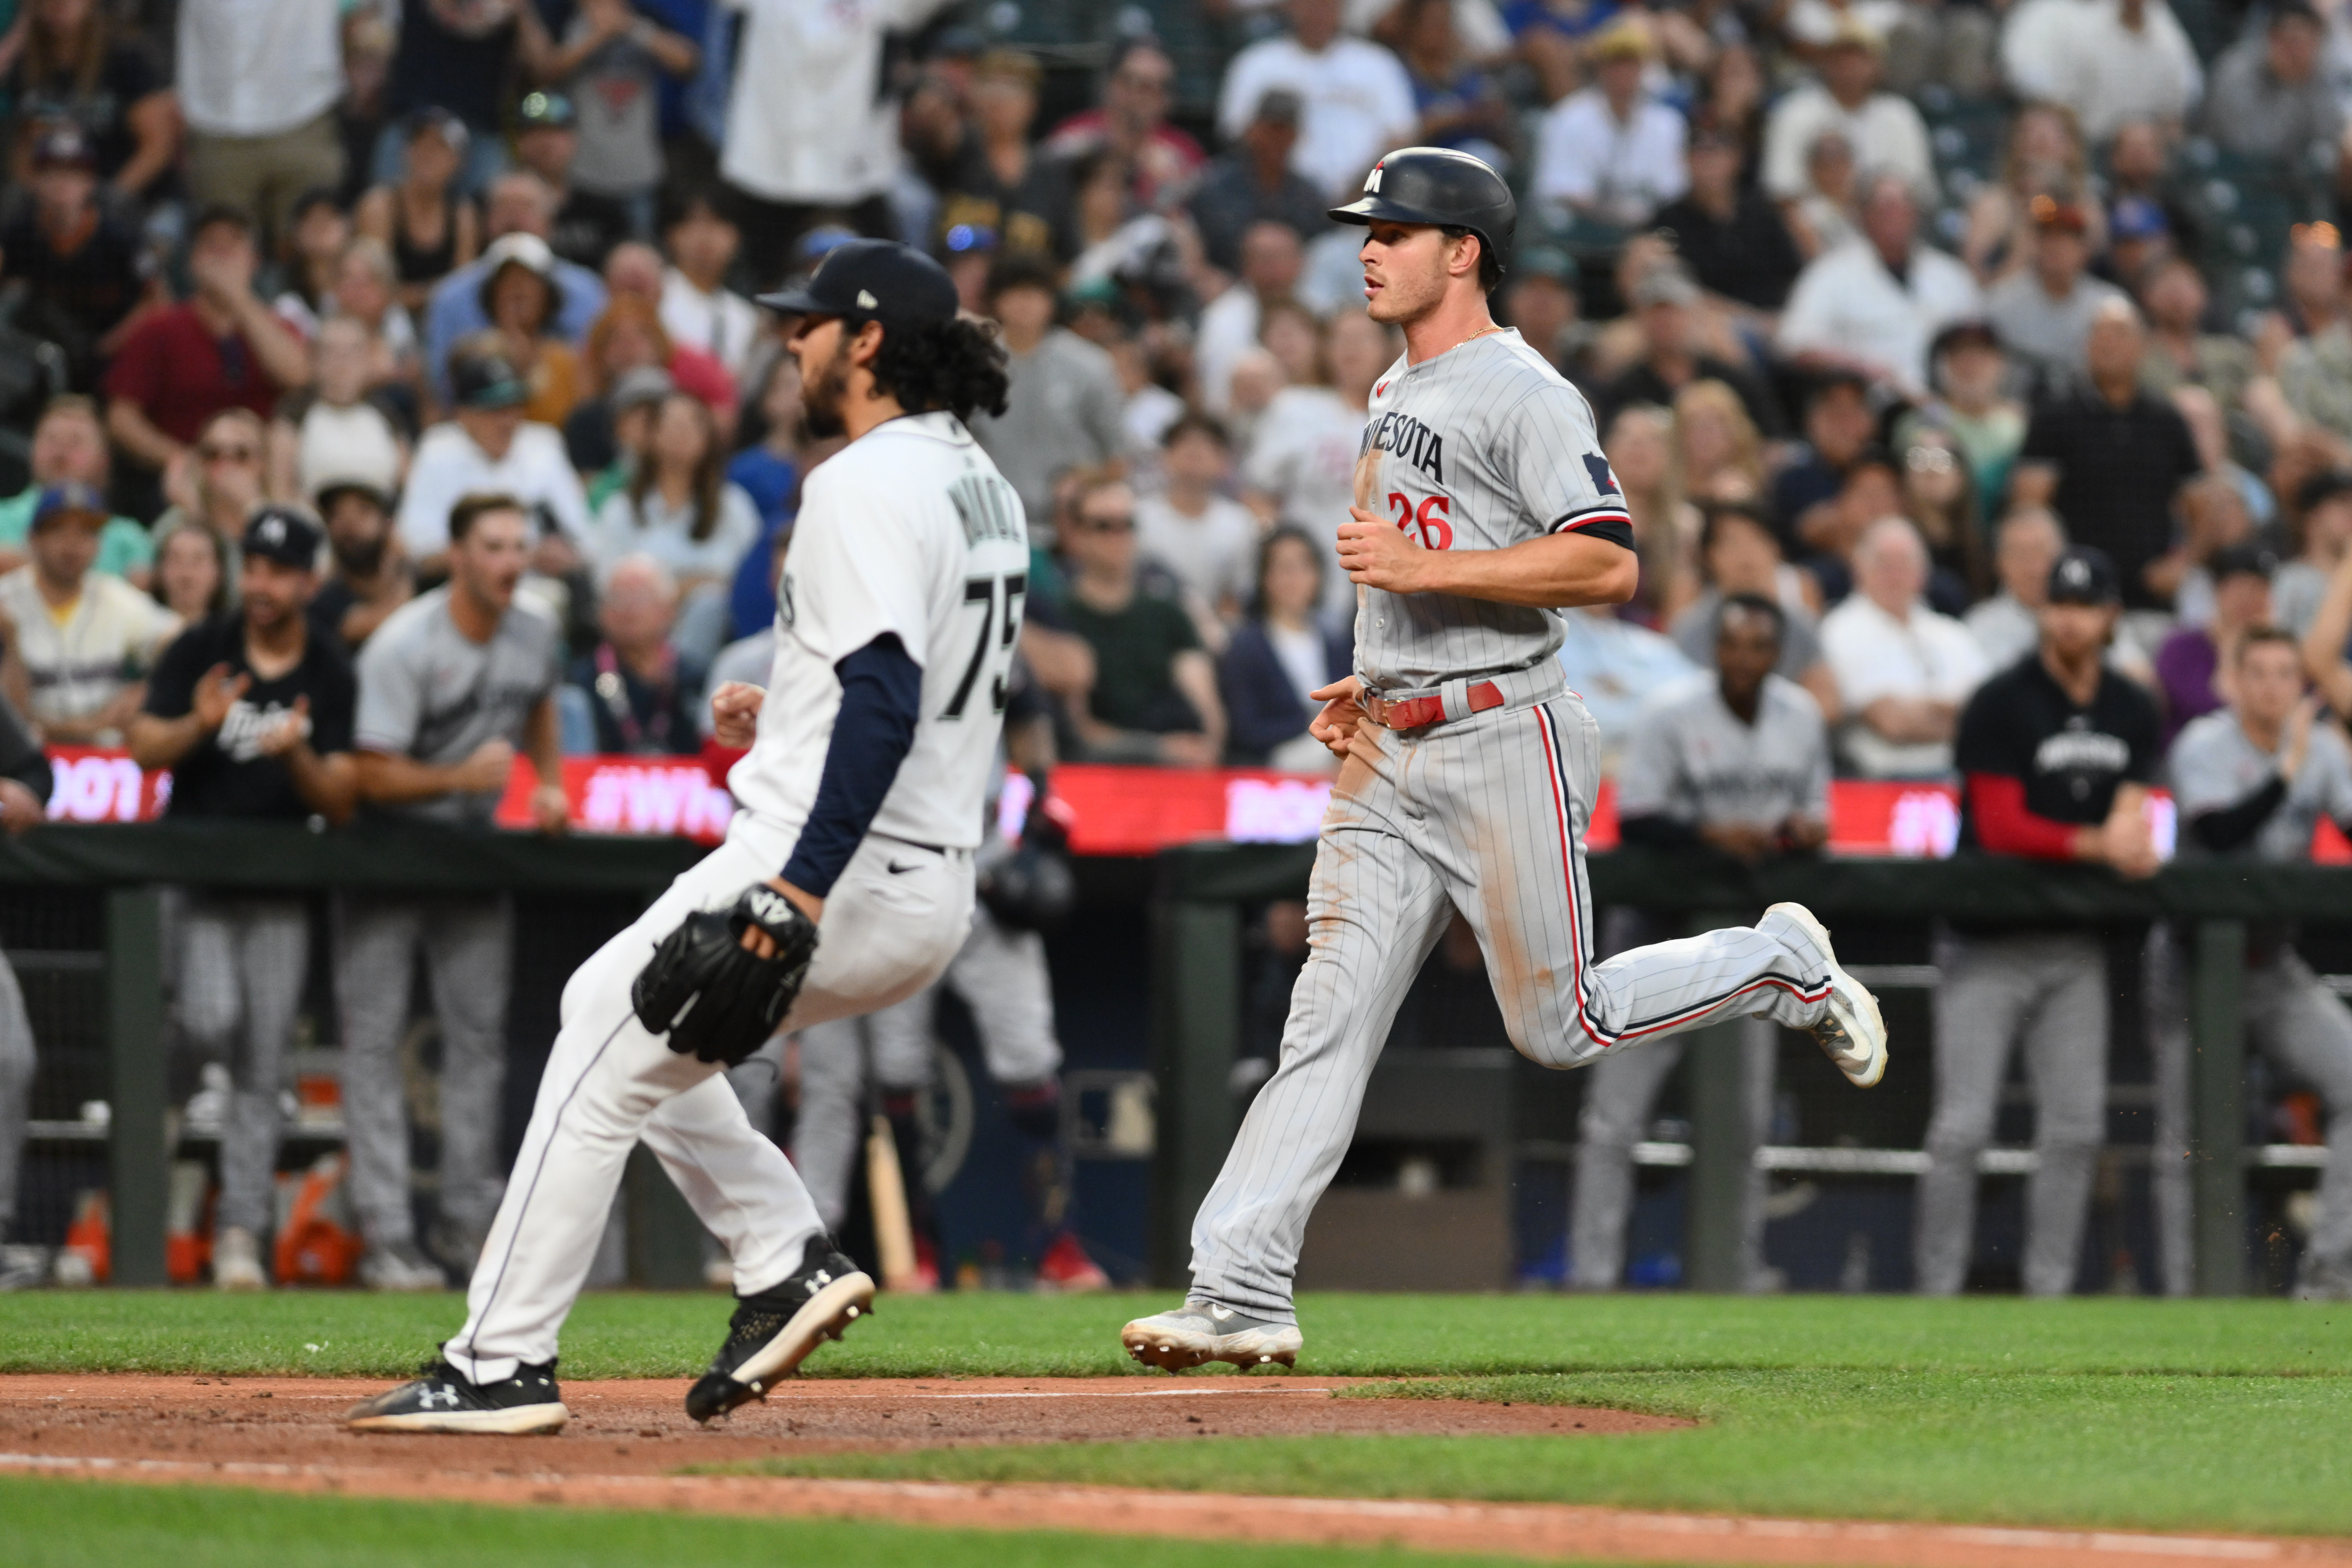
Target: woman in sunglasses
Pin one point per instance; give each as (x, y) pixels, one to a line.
(215, 484)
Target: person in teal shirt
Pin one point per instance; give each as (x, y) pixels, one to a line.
(70, 445)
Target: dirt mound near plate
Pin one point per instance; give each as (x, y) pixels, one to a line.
(641, 1427)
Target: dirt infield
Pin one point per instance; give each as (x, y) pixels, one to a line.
(628, 1439)
(640, 1427)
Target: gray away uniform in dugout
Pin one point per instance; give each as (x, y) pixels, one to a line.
(2291, 1015)
(1481, 448)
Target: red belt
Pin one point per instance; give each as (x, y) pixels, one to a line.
(1414, 713)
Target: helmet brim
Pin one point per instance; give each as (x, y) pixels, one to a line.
(1368, 209)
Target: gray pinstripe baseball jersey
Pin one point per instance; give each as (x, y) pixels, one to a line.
(1479, 449)
(2215, 766)
(1475, 450)
(1694, 760)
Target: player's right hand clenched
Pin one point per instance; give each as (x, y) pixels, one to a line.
(735, 713)
(1343, 711)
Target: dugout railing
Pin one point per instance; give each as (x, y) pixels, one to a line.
(1202, 890)
(128, 866)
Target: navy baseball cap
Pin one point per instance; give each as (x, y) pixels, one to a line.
(282, 534)
(486, 381)
(70, 499)
(873, 280)
(2242, 561)
(2083, 576)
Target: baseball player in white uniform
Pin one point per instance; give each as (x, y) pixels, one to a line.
(1484, 509)
(844, 883)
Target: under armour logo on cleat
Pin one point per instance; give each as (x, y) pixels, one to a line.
(447, 1397)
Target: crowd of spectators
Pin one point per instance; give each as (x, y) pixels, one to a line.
(512, 249)
(1863, 370)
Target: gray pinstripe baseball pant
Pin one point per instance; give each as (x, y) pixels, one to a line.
(241, 966)
(16, 1063)
(1487, 814)
(1002, 976)
(468, 946)
(2045, 991)
(2306, 1031)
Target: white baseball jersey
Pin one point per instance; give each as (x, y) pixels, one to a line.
(1481, 448)
(910, 532)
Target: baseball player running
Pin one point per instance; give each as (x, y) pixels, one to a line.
(846, 882)
(1484, 507)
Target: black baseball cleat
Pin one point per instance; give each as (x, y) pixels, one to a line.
(772, 1332)
(444, 1400)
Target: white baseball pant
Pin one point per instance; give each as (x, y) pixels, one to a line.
(610, 1083)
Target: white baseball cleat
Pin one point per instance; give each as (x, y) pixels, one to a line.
(1851, 1034)
(1200, 1332)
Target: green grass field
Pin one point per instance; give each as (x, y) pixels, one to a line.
(68, 1524)
(2152, 1414)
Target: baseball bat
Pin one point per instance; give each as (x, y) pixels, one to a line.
(885, 1192)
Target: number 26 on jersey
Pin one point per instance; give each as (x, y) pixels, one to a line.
(1430, 518)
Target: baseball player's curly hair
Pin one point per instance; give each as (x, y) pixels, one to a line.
(955, 365)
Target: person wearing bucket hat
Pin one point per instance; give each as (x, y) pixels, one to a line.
(1848, 99)
(1611, 154)
(523, 299)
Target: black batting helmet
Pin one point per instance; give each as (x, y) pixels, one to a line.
(1438, 186)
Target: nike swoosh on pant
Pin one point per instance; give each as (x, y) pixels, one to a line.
(897, 869)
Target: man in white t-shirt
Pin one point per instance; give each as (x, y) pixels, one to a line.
(813, 123)
(1355, 96)
(1874, 304)
(698, 309)
(1611, 154)
(257, 83)
(1885, 131)
(1204, 539)
(81, 641)
(489, 449)
(2110, 61)
(1903, 669)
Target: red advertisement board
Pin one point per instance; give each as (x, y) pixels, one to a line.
(1109, 810)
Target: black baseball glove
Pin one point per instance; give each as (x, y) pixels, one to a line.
(715, 999)
(1029, 886)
